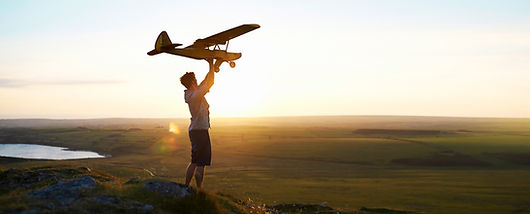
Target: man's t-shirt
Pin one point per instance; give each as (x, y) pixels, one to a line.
(200, 116)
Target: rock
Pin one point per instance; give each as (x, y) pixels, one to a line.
(169, 189)
(33, 178)
(67, 192)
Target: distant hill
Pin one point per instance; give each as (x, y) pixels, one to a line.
(347, 122)
(103, 123)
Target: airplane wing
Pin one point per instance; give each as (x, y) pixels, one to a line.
(221, 38)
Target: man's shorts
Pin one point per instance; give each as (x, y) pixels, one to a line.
(201, 150)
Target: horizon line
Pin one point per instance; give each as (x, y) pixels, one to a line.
(278, 116)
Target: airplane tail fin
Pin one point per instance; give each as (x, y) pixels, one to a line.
(162, 44)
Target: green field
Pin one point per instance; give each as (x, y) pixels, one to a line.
(425, 164)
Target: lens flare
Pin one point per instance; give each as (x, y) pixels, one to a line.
(173, 128)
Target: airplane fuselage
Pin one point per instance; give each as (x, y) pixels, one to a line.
(197, 53)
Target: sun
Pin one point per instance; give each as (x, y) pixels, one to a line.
(236, 94)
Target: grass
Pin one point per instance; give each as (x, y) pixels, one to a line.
(483, 143)
(321, 160)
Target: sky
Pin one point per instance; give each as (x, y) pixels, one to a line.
(87, 59)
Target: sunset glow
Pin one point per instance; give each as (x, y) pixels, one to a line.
(88, 59)
(232, 95)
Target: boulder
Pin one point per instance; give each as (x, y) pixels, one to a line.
(33, 178)
(67, 192)
(168, 188)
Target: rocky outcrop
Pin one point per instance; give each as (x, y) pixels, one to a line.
(65, 193)
(14, 179)
(64, 190)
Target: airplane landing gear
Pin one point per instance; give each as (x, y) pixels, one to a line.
(232, 64)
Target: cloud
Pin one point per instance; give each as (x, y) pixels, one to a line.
(17, 83)
(9, 83)
(81, 82)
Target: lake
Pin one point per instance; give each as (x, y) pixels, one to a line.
(34, 151)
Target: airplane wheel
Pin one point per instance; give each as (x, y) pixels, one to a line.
(232, 64)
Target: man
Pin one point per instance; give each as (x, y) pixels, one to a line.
(201, 154)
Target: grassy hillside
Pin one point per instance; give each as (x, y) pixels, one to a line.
(71, 189)
(22, 190)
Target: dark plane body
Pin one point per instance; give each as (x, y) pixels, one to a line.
(200, 49)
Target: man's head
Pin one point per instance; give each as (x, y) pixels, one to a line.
(188, 80)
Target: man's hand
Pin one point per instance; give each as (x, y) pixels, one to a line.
(214, 66)
(217, 64)
(210, 61)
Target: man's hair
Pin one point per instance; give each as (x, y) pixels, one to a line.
(187, 79)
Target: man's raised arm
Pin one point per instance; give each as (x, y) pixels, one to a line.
(208, 81)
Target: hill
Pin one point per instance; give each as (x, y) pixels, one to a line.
(85, 190)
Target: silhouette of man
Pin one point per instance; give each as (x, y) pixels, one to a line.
(201, 153)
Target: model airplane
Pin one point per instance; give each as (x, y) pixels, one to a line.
(200, 49)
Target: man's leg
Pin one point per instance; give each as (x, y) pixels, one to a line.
(189, 173)
(199, 176)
